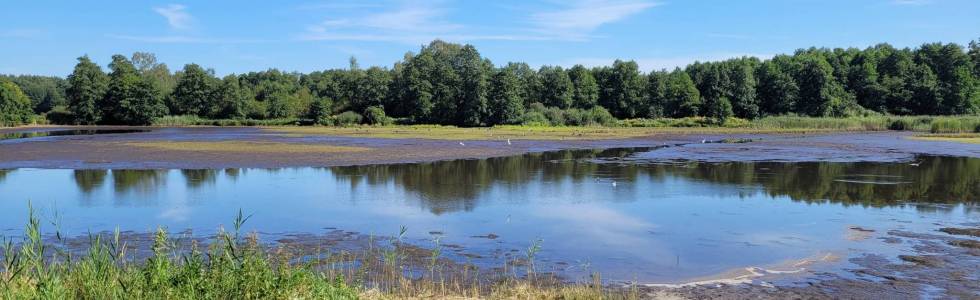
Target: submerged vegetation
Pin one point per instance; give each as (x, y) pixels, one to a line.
(232, 265)
(959, 138)
(452, 84)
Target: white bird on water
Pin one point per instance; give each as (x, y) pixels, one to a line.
(916, 164)
(704, 141)
(614, 183)
(508, 141)
(461, 144)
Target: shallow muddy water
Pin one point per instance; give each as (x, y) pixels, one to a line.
(630, 219)
(36, 135)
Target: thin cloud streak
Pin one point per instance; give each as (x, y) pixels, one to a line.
(411, 24)
(21, 33)
(579, 19)
(911, 2)
(181, 39)
(176, 15)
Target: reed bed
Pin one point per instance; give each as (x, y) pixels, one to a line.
(231, 265)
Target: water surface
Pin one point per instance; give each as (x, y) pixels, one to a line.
(33, 135)
(592, 210)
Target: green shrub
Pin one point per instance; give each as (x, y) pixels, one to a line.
(375, 115)
(600, 116)
(577, 117)
(347, 118)
(60, 115)
(319, 112)
(900, 124)
(534, 118)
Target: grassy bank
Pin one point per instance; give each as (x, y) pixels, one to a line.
(235, 266)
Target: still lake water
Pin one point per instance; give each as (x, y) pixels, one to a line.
(599, 210)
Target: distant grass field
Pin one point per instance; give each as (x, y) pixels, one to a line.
(245, 147)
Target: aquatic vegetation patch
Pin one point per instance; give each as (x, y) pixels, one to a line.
(969, 138)
(517, 132)
(244, 147)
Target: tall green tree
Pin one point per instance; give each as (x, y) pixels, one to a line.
(371, 89)
(556, 89)
(197, 92)
(621, 89)
(682, 96)
(719, 110)
(87, 86)
(743, 93)
(656, 95)
(777, 90)
(234, 100)
(475, 73)
(585, 94)
(506, 104)
(15, 107)
(130, 99)
(528, 80)
(156, 72)
(974, 53)
(818, 89)
(954, 70)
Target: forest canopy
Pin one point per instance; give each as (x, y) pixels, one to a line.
(452, 84)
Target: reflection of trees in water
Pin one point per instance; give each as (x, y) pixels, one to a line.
(197, 178)
(233, 174)
(143, 182)
(935, 180)
(3, 174)
(457, 185)
(89, 180)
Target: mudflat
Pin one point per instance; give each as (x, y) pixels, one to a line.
(252, 147)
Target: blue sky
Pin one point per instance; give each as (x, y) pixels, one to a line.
(45, 37)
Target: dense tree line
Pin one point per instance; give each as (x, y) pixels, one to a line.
(446, 83)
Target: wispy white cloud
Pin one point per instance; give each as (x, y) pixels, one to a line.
(176, 15)
(338, 6)
(183, 39)
(577, 19)
(912, 2)
(21, 33)
(410, 22)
